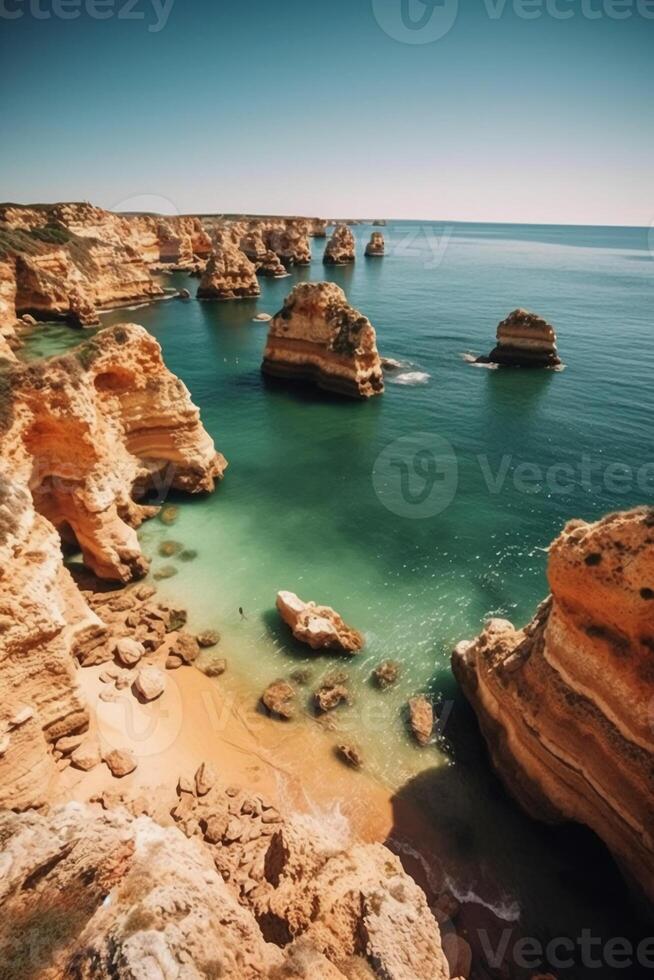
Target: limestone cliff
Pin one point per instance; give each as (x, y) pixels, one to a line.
(89, 431)
(318, 336)
(524, 340)
(291, 243)
(341, 247)
(92, 894)
(229, 274)
(566, 703)
(41, 614)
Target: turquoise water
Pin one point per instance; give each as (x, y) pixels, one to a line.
(308, 505)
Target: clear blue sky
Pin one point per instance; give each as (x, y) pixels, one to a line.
(310, 106)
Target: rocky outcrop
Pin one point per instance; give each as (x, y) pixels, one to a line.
(320, 627)
(291, 244)
(317, 336)
(93, 893)
(90, 431)
(524, 340)
(271, 266)
(229, 274)
(375, 246)
(565, 704)
(341, 247)
(318, 228)
(41, 616)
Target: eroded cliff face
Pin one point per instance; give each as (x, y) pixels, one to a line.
(41, 616)
(318, 336)
(153, 902)
(567, 704)
(229, 273)
(89, 431)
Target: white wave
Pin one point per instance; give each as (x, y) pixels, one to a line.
(412, 378)
(507, 909)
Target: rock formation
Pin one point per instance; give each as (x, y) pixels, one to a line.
(229, 274)
(93, 893)
(317, 336)
(318, 228)
(318, 626)
(565, 704)
(341, 247)
(375, 246)
(524, 340)
(89, 431)
(291, 244)
(272, 266)
(41, 615)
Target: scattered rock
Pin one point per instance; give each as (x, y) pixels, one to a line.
(176, 618)
(301, 676)
(350, 754)
(214, 667)
(129, 651)
(150, 683)
(185, 785)
(183, 294)
(386, 673)
(185, 647)
(69, 742)
(330, 694)
(188, 554)
(120, 762)
(208, 638)
(86, 756)
(421, 718)
(205, 779)
(173, 662)
(279, 698)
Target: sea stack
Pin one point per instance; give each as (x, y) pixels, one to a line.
(229, 274)
(565, 704)
(341, 247)
(375, 246)
(317, 336)
(271, 266)
(291, 243)
(524, 340)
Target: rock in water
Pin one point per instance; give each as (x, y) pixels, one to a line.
(317, 336)
(330, 694)
(421, 718)
(565, 704)
(229, 274)
(341, 247)
(350, 754)
(318, 626)
(375, 246)
(386, 673)
(524, 340)
(279, 698)
(271, 266)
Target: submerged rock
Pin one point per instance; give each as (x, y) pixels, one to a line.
(386, 673)
(317, 336)
(169, 548)
(350, 754)
(330, 694)
(524, 340)
(421, 718)
(318, 626)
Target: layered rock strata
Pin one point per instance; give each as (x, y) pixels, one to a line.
(565, 704)
(375, 246)
(317, 336)
(229, 274)
(90, 431)
(341, 247)
(524, 340)
(42, 614)
(320, 627)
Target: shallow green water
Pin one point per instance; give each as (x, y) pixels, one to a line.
(309, 505)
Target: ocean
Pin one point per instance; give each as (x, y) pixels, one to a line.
(419, 514)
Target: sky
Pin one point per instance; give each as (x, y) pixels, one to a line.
(538, 111)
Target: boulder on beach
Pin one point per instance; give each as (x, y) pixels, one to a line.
(320, 627)
(279, 699)
(150, 683)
